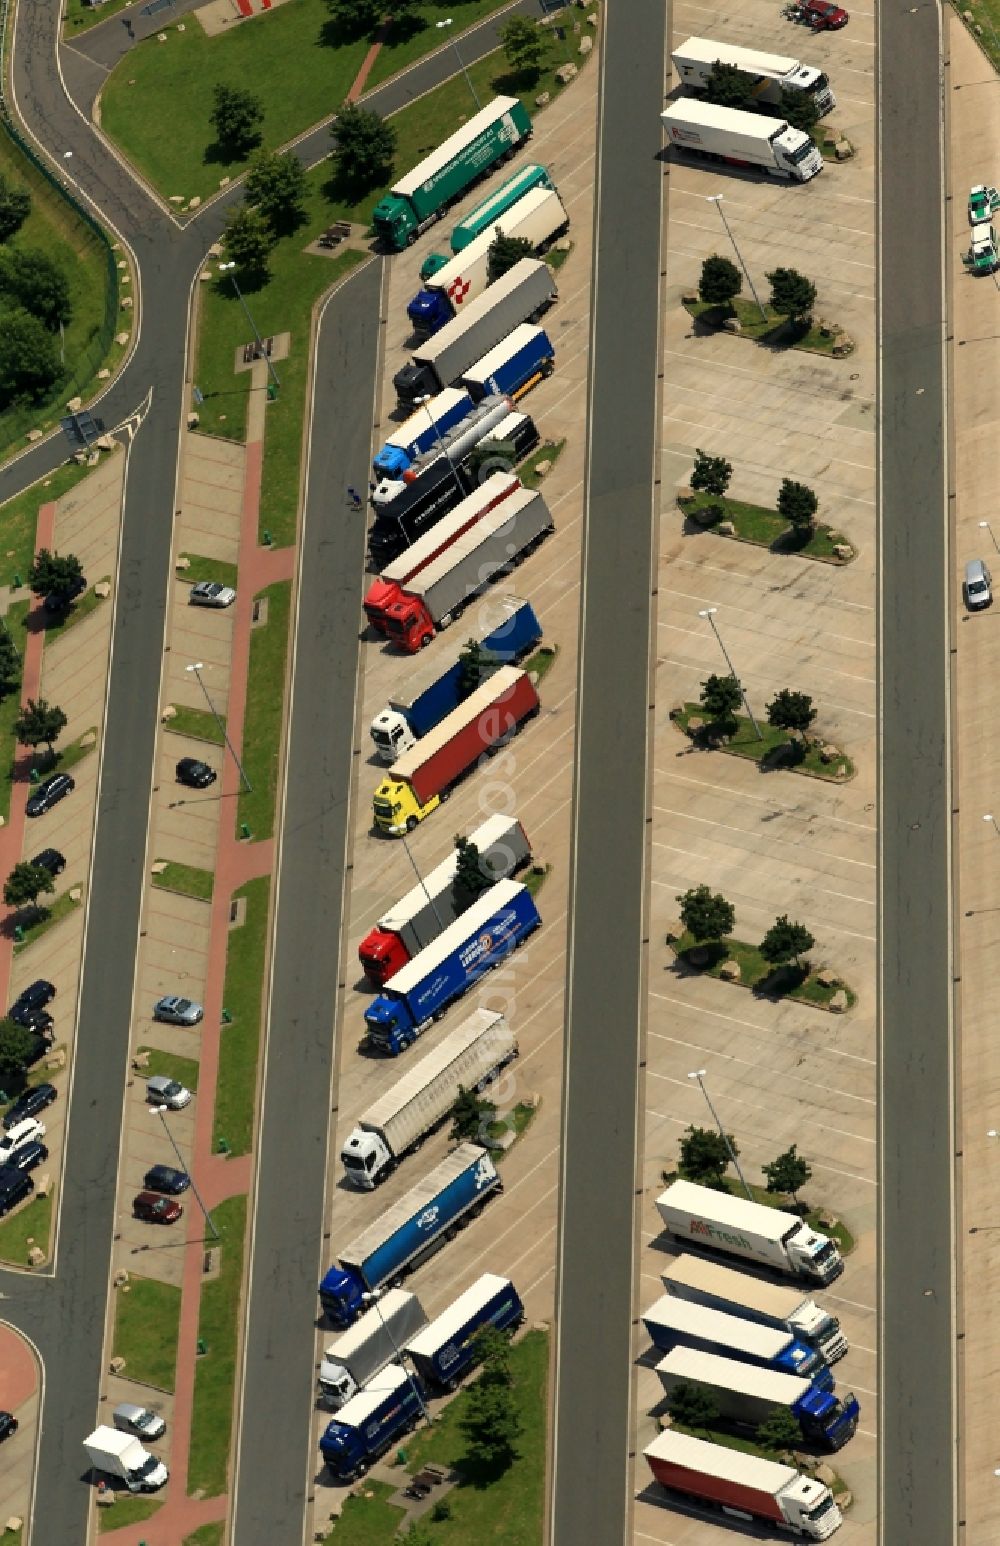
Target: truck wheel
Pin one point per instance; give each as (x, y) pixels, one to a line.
(411, 237)
(411, 822)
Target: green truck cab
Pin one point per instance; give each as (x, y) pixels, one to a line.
(983, 257)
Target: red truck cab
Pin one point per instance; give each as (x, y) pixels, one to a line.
(823, 16)
(408, 624)
(381, 955)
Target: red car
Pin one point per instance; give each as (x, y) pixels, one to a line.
(823, 16)
(153, 1209)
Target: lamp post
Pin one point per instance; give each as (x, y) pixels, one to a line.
(993, 539)
(160, 1112)
(716, 199)
(710, 612)
(468, 81)
(423, 403)
(197, 667)
(423, 885)
(699, 1074)
(414, 1383)
(227, 268)
(990, 817)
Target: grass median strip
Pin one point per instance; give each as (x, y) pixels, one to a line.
(773, 328)
(548, 451)
(801, 983)
(199, 724)
(188, 879)
(772, 750)
(215, 1372)
(264, 712)
(58, 623)
(205, 1535)
(126, 1510)
(172, 1065)
(242, 997)
(53, 912)
(192, 569)
(32, 1221)
(147, 1323)
(765, 527)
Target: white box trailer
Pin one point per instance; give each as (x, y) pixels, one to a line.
(772, 73)
(743, 1487)
(697, 1215)
(741, 139)
(121, 1455)
(675, 1322)
(401, 1119)
(755, 1299)
(370, 1344)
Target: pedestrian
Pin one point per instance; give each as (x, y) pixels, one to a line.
(355, 498)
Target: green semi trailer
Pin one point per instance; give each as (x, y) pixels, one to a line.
(423, 195)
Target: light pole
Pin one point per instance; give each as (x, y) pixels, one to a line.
(710, 612)
(414, 1384)
(227, 268)
(993, 539)
(423, 885)
(990, 817)
(699, 1074)
(468, 81)
(197, 667)
(159, 1111)
(423, 403)
(716, 199)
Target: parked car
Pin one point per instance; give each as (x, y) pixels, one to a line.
(49, 859)
(28, 1157)
(166, 1179)
(28, 1131)
(138, 1420)
(29, 1104)
(15, 1186)
(978, 585)
(209, 593)
(59, 600)
(49, 793)
(823, 16)
(153, 1209)
(983, 202)
(161, 1091)
(41, 1022)
(177, 1011)
(194, 773)
(32, 998)
(8, 1425)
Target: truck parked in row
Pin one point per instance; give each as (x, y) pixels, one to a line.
(752, 1230)
(743, 1487)
(673, 1322)
(505, 629)
(488, 212)
(538, 218)
(408, 1232)
(422, 431)
(121, 1456)
(443, 527)
(372, 1342)
(742, 139)
(399, 1121)
(421, 991)
(523, 294)
(772, 73)
(414, 202)
(747, 1396)
(424, 912)
(767, 1304)
(513, 367)
(421, 777)
(370, 1423)
(442, 589)
(447, 1348)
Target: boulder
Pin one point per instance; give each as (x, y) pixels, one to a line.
(193, 420)
(828, 753)
(543, 98)
(158, 866)
(839, 1002)
(161, 37)
(194, 203)
(14, 1523)
(843, 150)
(140, 1061)
(726, 529)
(215, 251)
(168, 714)
(826, 978)
(126, 303)
(120, 1277)
(205, 274)
(75, 404)
(102, 375)
(177, 198)
(224, 182)
(695, 723)
(121, 339)
(732, 325)
(731, 972)
(541, 468)
(592, 19)
(36, 1256)
(586, 44)
(56, 1061)
(844, 1499)
(566, 73)
(563, 244)
(34, 434)
(843, 551)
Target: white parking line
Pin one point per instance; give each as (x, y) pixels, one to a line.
(741, 1100)
(731, 1057)
(756, 799)
(717, 1014)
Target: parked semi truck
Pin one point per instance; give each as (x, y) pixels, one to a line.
(746, 1396)
(365, 1348)
(399, 1121)
(767, 1304)
(742, 139)
(408, 1232)
(743, 1487)
(771, 73)
(426, 911)
(673, 1322)
(121, 1456)
(414, 202)
(538, 218)
(421, 777)
(371, 1422)
(505, 629)
(523, 294)
(442, 589)
(444, 970)
(448, 1347)
(488, 212)
(422, 431)
(749, 1229)
(514, 366)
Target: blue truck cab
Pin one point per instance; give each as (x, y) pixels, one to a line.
(823, 1416)
(381, 1412)
(446, 1349)
(421, 432)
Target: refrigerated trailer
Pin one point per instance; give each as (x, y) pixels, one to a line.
(743, 139)
(771, 73)
(738, 1227)
(756, 1299)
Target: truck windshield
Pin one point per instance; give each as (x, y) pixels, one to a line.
(352, 1162)
(824, 1255)
(802, 154)
(821, 1508)
(819, 84)
(151, 1464)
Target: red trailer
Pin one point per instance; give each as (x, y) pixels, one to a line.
(744, 1486)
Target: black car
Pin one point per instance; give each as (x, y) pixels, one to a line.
(59, 600)
(49, 793)
(15, 1186)
(164, 1178)
(42, 1023)
(34, 997)
(8, 1425)
(30, 1104)
(27, 1157)
(49, 859)
(197, 775)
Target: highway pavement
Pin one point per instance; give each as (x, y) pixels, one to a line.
(605, 1007)
(917, 1415)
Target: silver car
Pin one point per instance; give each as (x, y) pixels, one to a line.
(138, 1420)
(161, 1091)
(209, 593)
(978, 591)
(177, 1011)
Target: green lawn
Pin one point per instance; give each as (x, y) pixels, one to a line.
(78, 18)
(516, 1121)
(10, 706)
(545, 453)
(56, 910)
(367, 1518)
(173, 1066)
(186, 878)
(772, 329)
(542, 661)
(215, 1372)
(67, 757)
(147, 1321)
(264, 713)
(765, 527)
(755, 972)
(19, 518)
(775, 748)
(126, 1510)
(205, 1535)
(536, 877)
(199, 569)
(236, 1091)
(986, 16)
(33, 1220)
(200, 724)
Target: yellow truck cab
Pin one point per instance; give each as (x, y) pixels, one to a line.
(397, 809)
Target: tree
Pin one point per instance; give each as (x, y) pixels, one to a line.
(54, 572)
(276, 185)
(16, 1043)
(720, 282)
(799, 109)
(798, 504)
(705, 1155)
(24, 885)
(786, 941)
(710, 474)
(493, 1354)
(236, 118)
(475, 665)
(791, 710)
(696, 1406)
(29, 358)
(10, 663)
(38, 284)
(523, 45)
(792, 295)
(472, 876)
(364, 148)
(39, 721)
(248, 241)
(15, 207)
(490, 456)
(356, 17)
(706, 915)
(779, 1430)
(788, 1173)
(504, 252)
(468, 1116)
(721, 697)
(727, 86)
(491, 1425)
